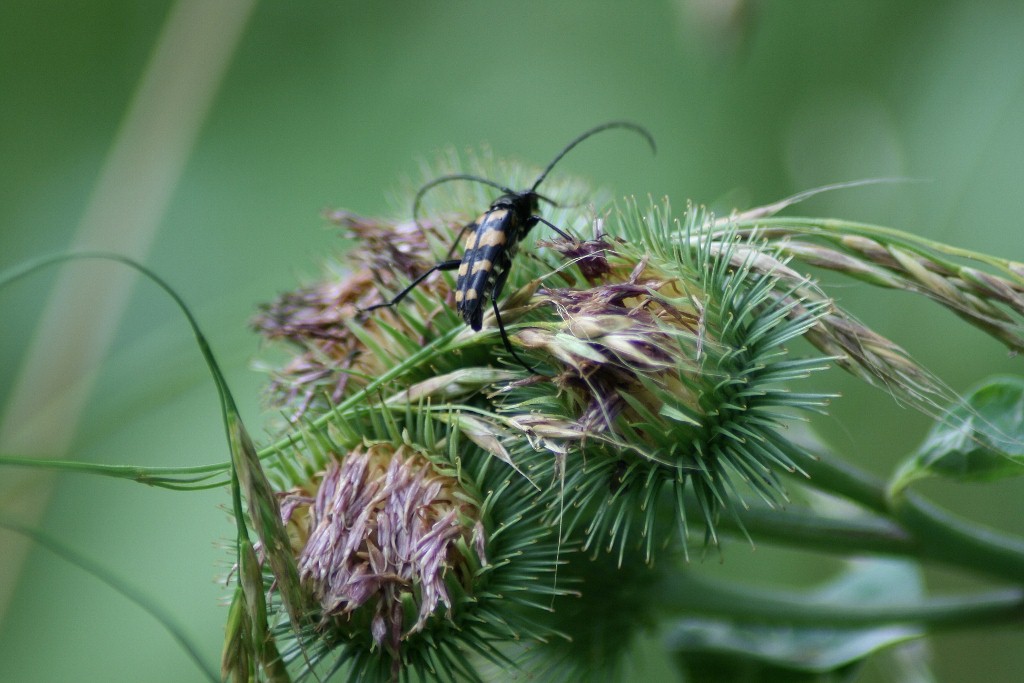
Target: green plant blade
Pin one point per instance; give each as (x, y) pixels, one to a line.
(981, 439)
(716, 648)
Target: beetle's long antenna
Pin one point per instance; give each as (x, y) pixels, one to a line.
(447, 179)
(593, 131)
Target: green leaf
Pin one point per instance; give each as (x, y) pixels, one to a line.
(981, 439)
(713, 649)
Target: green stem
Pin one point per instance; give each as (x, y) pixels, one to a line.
(938, 535)
(947, 538)
(804, 529)
(151, 476)
(687, 593)
(841, 478)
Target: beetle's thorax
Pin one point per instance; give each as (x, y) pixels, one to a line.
(521, 204)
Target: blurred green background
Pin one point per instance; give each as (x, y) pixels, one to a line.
(333, 104)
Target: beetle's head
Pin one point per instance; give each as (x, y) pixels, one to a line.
(528, 204)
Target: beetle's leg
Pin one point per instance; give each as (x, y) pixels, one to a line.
(499, 284)
(554, 227)
(450, 264)
(465, 228)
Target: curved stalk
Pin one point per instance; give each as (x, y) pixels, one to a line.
(689, 594)
(940, 536)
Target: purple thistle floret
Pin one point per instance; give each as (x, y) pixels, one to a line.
(380, 533)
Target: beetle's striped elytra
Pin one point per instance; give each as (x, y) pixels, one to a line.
(493, 239)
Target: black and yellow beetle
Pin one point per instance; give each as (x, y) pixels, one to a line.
(493, 240)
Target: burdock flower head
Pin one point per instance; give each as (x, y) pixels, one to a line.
(384, 529)
(397, 546)
(671, 375)
(318, 320)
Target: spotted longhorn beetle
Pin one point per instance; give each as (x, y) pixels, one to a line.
(484, 266)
